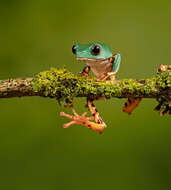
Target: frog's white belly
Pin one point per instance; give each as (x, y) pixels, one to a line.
(100, 68)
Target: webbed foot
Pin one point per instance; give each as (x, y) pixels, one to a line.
(83, 120)
(110, 75)
(84, 74)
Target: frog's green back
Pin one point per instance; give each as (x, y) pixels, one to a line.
(84, 51)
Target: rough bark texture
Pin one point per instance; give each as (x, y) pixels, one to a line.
(64, 86)
(16, 88)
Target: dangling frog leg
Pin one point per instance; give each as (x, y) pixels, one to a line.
(131, 104)
(98, 125)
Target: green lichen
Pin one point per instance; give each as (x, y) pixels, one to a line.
(59, 84)
(64, 86)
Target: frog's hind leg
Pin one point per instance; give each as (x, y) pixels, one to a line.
(131, 104)
(98, 125)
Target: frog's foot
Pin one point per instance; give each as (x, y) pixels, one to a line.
(83, 120)
(111, 75)
(84, 74)
(163, 68)
(131, 104)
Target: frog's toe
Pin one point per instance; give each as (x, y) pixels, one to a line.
(76, 118)
(66, 125)
(83, 120)
(84, 74)
(66, 115)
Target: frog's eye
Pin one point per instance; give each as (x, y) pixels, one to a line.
(95, 50)
(74, 49)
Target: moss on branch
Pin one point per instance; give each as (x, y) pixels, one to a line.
(64, 86)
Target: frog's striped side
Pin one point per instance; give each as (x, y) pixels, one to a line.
(116, 63)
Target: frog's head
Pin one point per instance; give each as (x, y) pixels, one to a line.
(90, 52)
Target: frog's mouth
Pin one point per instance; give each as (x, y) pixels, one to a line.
(90, 60)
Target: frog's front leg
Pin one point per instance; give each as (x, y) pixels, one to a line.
(85, 71)
(98, 125)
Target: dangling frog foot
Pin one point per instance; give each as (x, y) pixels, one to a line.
(76, 119)
(83, 120)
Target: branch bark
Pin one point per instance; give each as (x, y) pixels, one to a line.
(64, 86)
(16, 88)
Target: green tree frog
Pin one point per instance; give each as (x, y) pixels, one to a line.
(98, 58)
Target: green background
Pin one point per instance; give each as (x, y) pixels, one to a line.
(134, 152)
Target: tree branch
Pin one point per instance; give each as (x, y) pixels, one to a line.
(64, 86)
(16, 88)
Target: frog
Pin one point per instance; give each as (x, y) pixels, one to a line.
(104, 65)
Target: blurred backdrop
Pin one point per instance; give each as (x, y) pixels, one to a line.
(134, 152)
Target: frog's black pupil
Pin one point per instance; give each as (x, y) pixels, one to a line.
(95, 50)
(74, 49)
